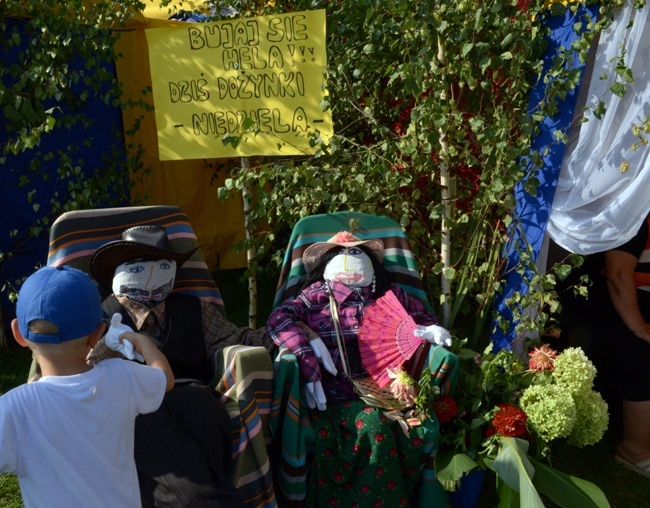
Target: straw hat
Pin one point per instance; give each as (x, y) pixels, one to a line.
(343, 239)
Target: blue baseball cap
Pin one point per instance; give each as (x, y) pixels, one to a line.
(62, 295)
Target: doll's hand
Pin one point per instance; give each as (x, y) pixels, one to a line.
(434, 334)
(315, 396)
(112, 339)
(323, 355)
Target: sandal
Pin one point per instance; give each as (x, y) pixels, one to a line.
(640, 467)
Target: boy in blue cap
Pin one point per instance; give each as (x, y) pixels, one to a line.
(69, 436)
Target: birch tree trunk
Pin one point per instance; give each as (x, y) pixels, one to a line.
(447, 197)
(250, 251)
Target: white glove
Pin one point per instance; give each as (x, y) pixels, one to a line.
(434, 334)
(323, 355)
(112, 339)
(315, 396)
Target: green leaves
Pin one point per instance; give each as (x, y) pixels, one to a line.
(625, 72)
(528, 477)
(44, 90)
(515, 469)
(414, 87)
(451, 466)
(565, 490)
(618, 89)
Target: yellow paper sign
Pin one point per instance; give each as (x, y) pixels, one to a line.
(257, 79)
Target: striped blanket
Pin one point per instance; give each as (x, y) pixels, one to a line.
(398, 257)
(291, 427)
(74, 236)
(243, 375)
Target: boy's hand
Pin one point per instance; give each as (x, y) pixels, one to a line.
(124, 346)
(153, 357)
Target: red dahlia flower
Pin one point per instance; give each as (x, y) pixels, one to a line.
(445, 408)
(509, 421)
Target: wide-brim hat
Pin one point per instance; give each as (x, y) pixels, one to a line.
(316, 250)
(139, 242)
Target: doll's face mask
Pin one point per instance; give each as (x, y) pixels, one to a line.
(351, 267)
(149, 282)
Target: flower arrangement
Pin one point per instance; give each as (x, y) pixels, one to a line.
(505, 412)
(503, 415)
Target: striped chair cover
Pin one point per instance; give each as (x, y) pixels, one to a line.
(291, 427)
(74, 236)
(243, 374)
(398, 257)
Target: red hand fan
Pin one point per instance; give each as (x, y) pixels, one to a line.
(386, 337)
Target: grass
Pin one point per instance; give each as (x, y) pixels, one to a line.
(623, 488)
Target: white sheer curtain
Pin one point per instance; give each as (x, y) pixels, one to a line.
(596, 206)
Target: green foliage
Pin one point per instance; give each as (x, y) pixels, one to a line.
(419, 90)
(10, 491)
(566, 490)
(63, 53)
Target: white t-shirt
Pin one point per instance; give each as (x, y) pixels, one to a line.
(69, 439)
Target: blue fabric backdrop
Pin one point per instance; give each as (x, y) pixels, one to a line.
(532, 212)
(92, 143)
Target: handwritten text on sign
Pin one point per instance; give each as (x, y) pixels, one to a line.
(209, 78)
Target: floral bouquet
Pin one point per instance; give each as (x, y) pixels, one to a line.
(503, 415)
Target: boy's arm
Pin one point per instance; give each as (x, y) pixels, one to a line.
(151, 354)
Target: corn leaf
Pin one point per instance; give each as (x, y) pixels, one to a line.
(565, 490)
(515, 469)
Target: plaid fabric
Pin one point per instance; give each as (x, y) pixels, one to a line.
(290, 422)
(217, 330)
(243, 374)
(140, 313)
(245, 382)
(312, 307)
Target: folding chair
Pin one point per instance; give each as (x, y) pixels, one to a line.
(243, 374)
(290, 423)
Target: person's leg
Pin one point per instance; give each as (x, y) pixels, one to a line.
(635, 445)
(173, 469)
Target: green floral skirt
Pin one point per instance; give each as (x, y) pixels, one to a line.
(362, 459)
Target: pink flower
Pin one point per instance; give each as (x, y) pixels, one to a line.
(542, 358)
(403, 386)
(344, 237)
